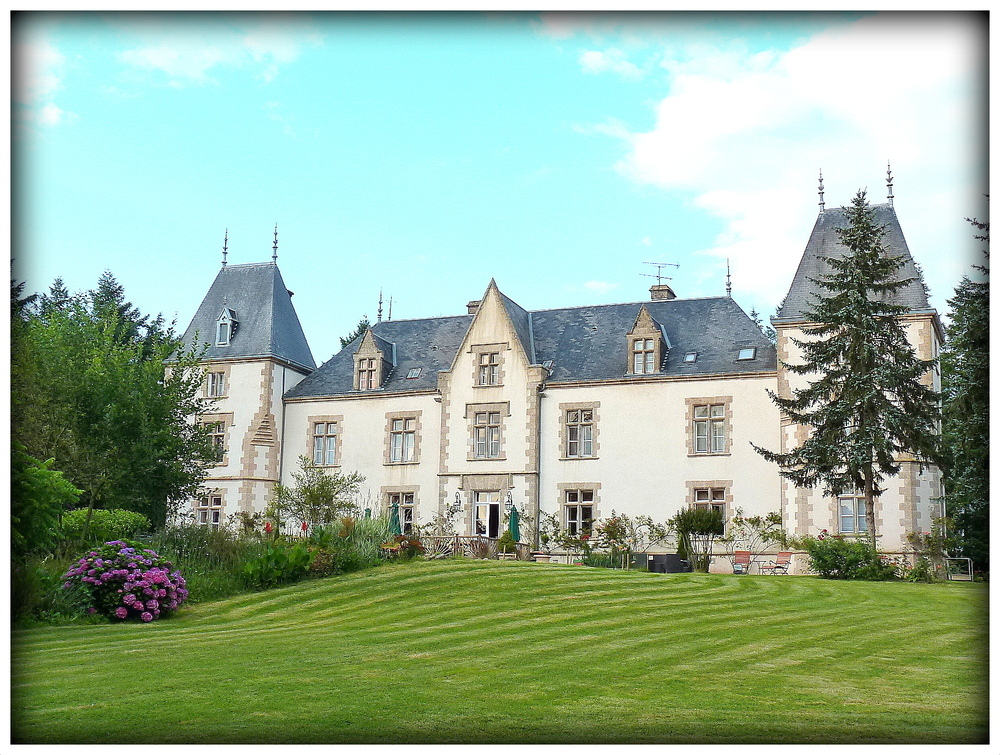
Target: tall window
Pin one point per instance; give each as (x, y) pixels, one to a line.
(852, 514)
(217, 436)
(643, 356)
(216, 384)
(367, 375)
(579, 433)
(325, 443)
(711, 498)
(208, 510)
(579, 512)
(487, 435)
(710, 428)
(405, 503)
(402, 440)
(487, 503)
(489, 368)
(222, 333)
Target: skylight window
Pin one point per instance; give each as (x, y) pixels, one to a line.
(746, 354)
(414, 373)
(691, 356)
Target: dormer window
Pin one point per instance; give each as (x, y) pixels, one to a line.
(747, 354)
(643, 356)
(225, 327)
(373, 362)
(367, 374)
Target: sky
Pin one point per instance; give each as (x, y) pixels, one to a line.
(421, 155)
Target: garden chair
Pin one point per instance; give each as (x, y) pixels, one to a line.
(779, 565)
(741, 562)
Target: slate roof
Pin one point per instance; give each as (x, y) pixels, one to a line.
(262, 305)
(824, 242)
(583, 344)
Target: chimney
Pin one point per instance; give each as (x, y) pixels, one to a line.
(661, 292)
(473, 306)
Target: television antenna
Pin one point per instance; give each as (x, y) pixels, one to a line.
(659, 270)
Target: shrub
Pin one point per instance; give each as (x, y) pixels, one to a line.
(506, 543)
(123, 580)
(105, 525)
(839, 558)
(279, 564)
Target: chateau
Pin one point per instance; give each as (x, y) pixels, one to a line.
(640, 408)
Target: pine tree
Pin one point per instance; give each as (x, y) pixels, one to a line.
(965, 371)
(359, 331)
(867, 405)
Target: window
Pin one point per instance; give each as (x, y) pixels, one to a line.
(691, 356)
(489, 368)
(643, 356)
(746, 354)
(222, 333)
(711, 498)
(325, 443)
(487, 512)
(852, 514)
(579, 511)
(402, 440)
(414, 373)
(710, 428)
(579, 433)
(367, 375)
(208, 510)
(217, 436)
(216, 385)
(405, 503)
(487, 435)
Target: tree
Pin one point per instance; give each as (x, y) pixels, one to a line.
(95, 395)
(696, 532)
(753, 534)
(965, 372)
(316, 497)
(38, 497)
(867, 405)
(359, 331)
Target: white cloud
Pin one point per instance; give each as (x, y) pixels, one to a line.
(38, 70)
(600, 287)
(189, 53)
(747, 135)
(612, 59)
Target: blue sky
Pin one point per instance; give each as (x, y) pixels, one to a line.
(425, 154)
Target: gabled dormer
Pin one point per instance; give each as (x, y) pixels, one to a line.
(647, 345)
(226, 326)
(373, 361)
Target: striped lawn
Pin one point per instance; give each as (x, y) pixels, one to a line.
(464, 651)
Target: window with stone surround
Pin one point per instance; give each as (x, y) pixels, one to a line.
(217, 427)
(579, 433)
(487, 438)
(489, 368)
(851, 514)
(711, 495)
(578, 511)
(215, 384)
(367, 374)
(402, 440)
(208, 510)
(325, 437)
(405, 503)
(643, 356)
(709, 426)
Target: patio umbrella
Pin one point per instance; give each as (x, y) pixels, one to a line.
(394, 527)
(515, 530)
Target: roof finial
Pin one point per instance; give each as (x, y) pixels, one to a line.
(225, 247)
(888, 180)
(274, 257)
(729, 281)
(380, 305)
(822, 204)
(390, 309)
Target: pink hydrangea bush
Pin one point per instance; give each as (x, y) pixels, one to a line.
(124, 580)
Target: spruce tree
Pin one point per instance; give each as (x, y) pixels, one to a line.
(866, 407)
(965, 372)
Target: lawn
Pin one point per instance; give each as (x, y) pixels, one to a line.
(480, 652)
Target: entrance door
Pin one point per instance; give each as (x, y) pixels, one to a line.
(488, 513)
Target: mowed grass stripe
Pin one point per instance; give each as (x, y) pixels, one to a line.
(462, 651)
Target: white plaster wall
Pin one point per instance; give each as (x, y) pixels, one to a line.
(643, 465)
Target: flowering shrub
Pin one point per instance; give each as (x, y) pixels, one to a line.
(123, 580)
